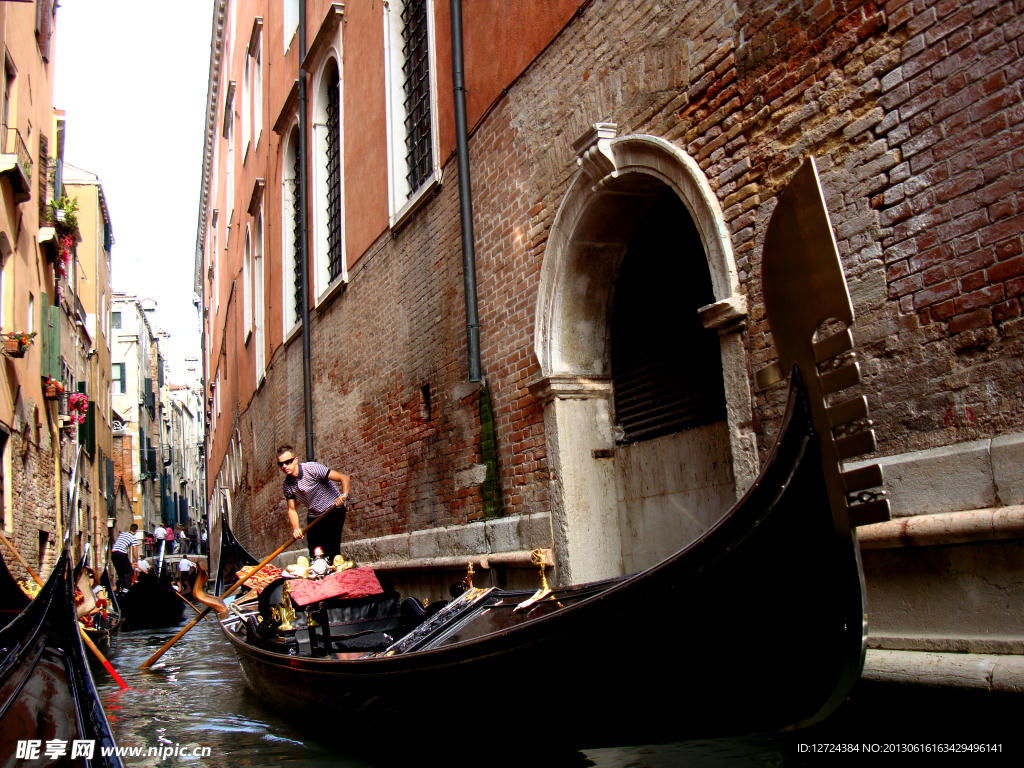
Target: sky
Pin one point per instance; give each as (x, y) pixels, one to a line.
(131, 76)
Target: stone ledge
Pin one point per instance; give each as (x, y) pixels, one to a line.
(999, 646)
(942, 529)
(988, 672)
(974, 475)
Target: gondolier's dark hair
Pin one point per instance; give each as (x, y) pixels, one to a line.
(285, 449)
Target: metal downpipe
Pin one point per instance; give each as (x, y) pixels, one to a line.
(307, 373)
(465, 194)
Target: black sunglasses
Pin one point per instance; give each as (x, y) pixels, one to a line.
(286, 462)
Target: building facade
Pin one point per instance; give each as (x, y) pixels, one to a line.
(137, 377)
(29, 421)
(624, 161)
(89, 294)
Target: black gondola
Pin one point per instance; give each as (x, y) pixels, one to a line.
(151, 602)
(758, 625)
(46, 690)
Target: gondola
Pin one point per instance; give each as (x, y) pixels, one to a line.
(151, 602)
(46, 690)
(100, 624)
(758, 625)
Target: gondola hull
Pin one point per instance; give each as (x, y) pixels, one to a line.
(147, 605)
(757, 626)
(46, 690)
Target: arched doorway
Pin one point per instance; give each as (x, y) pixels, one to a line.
(643, 373)
(673, 467)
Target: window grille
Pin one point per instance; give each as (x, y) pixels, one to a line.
(416, 70)
(44, 168)
(297, 235)
(333, 177)
(666, 367)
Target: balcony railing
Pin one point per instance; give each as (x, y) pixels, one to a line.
(16, 163)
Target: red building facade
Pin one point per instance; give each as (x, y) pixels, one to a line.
(625, 159)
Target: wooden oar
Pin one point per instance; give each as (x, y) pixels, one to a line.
(191, 605)
(85, 638)
(149, 662)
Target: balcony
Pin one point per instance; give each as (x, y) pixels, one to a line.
(16, 163)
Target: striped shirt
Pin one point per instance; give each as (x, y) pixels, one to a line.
(312, 488)
(123, 541)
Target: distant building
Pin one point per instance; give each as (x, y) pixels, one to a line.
(137, 374)
(90, 288)
(30, 156)
(184, 439)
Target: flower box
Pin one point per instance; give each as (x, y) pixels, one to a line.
(15, 348)
(52, 392)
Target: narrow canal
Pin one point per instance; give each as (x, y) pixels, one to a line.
(196, 697)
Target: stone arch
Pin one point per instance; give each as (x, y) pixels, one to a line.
(619, 180)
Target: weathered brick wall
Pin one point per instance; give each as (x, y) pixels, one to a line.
(32, 467)
(913, 111)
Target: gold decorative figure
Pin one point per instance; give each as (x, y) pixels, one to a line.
(284, 611)
(538, 559)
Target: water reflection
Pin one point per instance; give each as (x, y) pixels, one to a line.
(196, 697)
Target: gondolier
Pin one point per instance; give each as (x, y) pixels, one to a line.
(119, 555)
(312, 484)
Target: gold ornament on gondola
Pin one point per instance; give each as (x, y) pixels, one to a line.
(30, 588)
(538, 559)
(284, 612)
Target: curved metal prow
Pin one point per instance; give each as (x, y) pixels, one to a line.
(199, 592)
(805, 288)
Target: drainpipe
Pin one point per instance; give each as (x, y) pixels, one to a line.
(465, 195)
(307, 374)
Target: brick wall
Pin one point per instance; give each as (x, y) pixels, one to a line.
(32, 469)
(913, 111)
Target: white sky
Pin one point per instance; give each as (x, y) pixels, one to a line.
(131, 76)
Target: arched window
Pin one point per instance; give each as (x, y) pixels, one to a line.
(411, 106)
(247, 285)
(327, 179)
(291, 223)
(257, 262)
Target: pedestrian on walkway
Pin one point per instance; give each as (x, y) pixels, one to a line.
(159, 536)
(193, 539)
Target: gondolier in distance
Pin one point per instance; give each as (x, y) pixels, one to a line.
(312, 484)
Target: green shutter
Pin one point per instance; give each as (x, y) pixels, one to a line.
(87, 430)
(49, 338)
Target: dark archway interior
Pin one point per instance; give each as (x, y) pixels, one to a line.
(666, 367)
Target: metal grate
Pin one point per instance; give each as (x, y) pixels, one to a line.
(666, 367)
(417, 93)
(333, 178)
(44, 164)
(297, 235)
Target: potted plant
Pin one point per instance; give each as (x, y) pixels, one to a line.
(63, 215)
(17, 342)
(52, 389)
(78, 405)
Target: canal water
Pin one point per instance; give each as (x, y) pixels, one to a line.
(195, 697)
